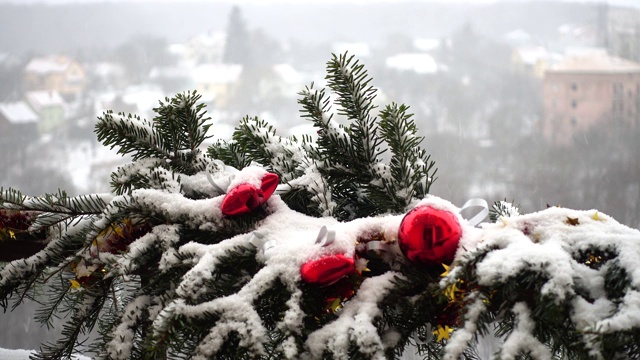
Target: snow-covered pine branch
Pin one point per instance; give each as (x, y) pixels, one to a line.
(193, 259)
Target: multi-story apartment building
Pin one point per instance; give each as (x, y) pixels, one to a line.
(586, 91)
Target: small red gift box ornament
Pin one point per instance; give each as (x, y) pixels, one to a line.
(244, 198)
(328, 269)
(429, 236)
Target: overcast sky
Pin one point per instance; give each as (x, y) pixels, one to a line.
(628, 3)
(615, 2)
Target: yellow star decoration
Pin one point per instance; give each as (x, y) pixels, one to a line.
(74, 284)
(443, 332)
(7, 232)
(446, 270)
(335, 305)
(596, 217)
(451, 291)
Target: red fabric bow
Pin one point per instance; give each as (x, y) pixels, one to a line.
(244, 198)
(327, 270)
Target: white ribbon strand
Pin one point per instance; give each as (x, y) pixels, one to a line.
(481, 213)
(258, 240)
(327, 235)
(221, 184)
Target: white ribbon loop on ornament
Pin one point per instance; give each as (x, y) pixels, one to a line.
(258, 240)
(221, 184)
(481, 213)
(327, 235)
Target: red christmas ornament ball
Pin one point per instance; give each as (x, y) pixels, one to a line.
(328, 269)
(429, 236)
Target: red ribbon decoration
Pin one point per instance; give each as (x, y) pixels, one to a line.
(327, 270)
(245, 198)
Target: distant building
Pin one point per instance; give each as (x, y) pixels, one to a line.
(623, 32)
(107, 75)
(50, 107)
(419, 63)
(533, 60)
(18, 128)
(201, 49)
(281, 80)
(216, 82)
(586, 91)
(55, 73)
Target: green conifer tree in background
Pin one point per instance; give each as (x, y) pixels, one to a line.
(265, 247)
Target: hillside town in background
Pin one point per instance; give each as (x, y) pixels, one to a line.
(542, 120)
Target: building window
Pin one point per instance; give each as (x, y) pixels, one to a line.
(574, 121)
(574, 86)
(574, 104)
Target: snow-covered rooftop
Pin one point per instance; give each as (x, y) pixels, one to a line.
(518, 37)
(143, 97)
(217, 73)
(288, 74)
(18, 113)
(596, 63)
(417, 62)
(426, 44)
(105, 69)
(531, 55)
(40, 99)
(50, 64)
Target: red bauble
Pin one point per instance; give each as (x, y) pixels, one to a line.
(244, 198)
(327, 270)
(429, 236)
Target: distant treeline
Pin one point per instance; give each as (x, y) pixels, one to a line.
(39, 28)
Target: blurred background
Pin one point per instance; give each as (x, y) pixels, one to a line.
(535, 102)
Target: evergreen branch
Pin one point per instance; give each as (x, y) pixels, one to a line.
(55, 297)
(132, 135)
(334, 141)
(350, 81)
(230, 153)
(182, 125)
(503, 209)
(84, 317)
(260, 143)
(59, 203)
(21, 275)
(410, 169)
(144, 174)
(127, 336)
(252, 135)
(53, 209)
